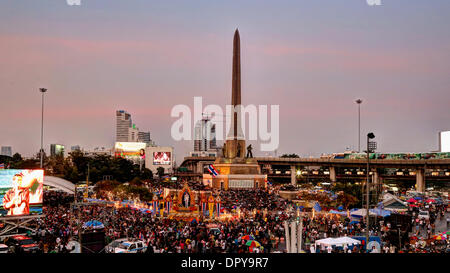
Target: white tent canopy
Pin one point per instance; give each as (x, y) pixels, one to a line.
(341, 241)
(362, 212)
(326, 241)
(347, 241)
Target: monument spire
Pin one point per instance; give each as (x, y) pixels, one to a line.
(236, 128)
(235, 144)
(236, 82)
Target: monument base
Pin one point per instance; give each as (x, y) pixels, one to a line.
(236, 173)
(239, 181)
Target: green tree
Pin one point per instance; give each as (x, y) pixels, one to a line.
(160, 171)
(136, 182)
(146, 174)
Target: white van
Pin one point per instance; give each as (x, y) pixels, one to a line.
(423, 214)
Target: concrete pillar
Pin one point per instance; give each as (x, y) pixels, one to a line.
(333, 174)
(293, 175)
(376, 179)
(420, 180)
(287, 238)
(294, 237)
(300, 235)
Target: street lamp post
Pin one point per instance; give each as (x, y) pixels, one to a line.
(370, 146)
(41, 152)
(359, 101)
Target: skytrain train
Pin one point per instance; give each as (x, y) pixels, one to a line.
(412, 156)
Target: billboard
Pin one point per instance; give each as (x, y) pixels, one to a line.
(444, 142)
(130, 150)
(21, 192)
(56, 150)
(162, 158)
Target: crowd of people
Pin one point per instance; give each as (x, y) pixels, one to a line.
(251, 199)
(62, 224)
(261, 219)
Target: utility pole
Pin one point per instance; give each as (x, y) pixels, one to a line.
(42, 90)
(359, 101)
(370, 146)
(87, 182)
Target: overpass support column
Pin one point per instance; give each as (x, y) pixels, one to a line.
(200, 167)
(377, 183)
(420, 180)
(293, 175)
(332, 174)
(376, 179)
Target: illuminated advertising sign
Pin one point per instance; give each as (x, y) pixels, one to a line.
(21, 192)
(444, 139)
(56, 150)
(59, 149)
(161, 158)
(130, 150)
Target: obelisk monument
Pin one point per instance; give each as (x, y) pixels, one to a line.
(235, 170)
(235, 143)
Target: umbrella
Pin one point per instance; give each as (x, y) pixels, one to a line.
(248, 238)
(430, 201)
(411, 200)
(252, 243)
(94, 224)
(440, 237)
(418, 198)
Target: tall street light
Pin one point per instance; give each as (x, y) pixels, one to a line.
(42, 90)
(371, 146)
(359, 101)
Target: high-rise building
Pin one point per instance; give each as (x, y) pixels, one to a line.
(99, 151)
(144, 137)
(6, 150)
(123, 123)
(75, 148)
(127, 131)
(444, 141)
(133, 134)
(56, 150)
(205, 135)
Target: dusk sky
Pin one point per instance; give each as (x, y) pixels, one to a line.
(313, 58)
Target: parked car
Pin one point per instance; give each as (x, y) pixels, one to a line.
(127, 246)
(424, 215)
(22, 243)
(4, 248)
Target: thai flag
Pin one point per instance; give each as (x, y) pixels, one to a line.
(213, 171)
(155, 206)
(2, 166)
